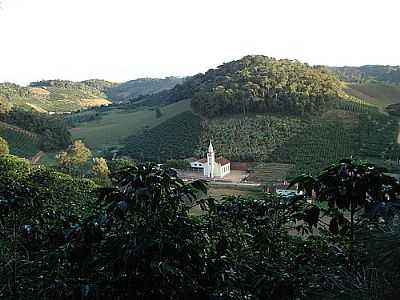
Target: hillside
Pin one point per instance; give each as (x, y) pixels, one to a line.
(130, 90)
(256, 84)
(109, 129)
(52, 96)
(368, 73)
(377, 94)
(176, 138)
(21, 142)
(256, 109)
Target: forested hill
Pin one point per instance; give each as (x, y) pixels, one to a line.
(368, 73)
(257, 84)
(133, 89)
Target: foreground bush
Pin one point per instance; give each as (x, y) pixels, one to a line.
(140, 240)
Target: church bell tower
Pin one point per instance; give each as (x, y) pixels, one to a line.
(210, 161)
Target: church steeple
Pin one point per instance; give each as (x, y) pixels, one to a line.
(210, 160)
(210, 148)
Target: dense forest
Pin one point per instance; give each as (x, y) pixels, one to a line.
(368, 73)
(256, 84)
(136, 237)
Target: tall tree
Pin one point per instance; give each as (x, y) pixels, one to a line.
(75, 158)
(4, 149)
(100, 170)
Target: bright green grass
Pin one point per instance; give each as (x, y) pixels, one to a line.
(21, 142)
(378, 94)
(117, 125)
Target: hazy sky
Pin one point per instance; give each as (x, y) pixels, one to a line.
(124, 39)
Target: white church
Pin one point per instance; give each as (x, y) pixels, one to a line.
(211, 166)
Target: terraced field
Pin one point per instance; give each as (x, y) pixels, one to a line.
(21, 142)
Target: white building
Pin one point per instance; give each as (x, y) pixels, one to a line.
(211, 166)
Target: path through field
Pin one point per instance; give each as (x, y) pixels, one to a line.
(35, 159)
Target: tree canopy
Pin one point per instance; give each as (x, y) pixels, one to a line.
(257, 84)
(4, 149)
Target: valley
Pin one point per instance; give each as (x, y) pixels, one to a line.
(256, 110)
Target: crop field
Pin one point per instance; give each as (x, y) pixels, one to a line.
(377, 94)
(250, 138)
(335, 136)
(116, 125)
(176, 138)
(21, 142)
(269, 173)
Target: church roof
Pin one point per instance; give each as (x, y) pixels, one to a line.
(222, 160)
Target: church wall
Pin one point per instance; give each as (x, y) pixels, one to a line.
(217, 170)
(225, 169)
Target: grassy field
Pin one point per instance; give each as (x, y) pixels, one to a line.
(116, 125)
(21, 142)
(378, 94)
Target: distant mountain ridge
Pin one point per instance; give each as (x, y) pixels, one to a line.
(132, 89)
(368, 73)
(66, 96)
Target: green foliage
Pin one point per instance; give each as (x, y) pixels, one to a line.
(116, 165)
(180, 164)
(113, 126)
(4, 149)
(36, 206)
(250, 138)
(75, 159)
(340, 134)
(100, 170)
(69, 85)
(158, 113)
(21, 142)
(52, 131)
(378, 94)
(176, 138)
(99, 84)
(10, 90)
(257, 84)
(141, 242)
(51, 96)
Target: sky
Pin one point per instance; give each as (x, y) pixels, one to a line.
(120, 40)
